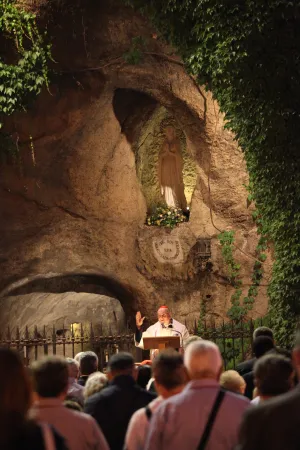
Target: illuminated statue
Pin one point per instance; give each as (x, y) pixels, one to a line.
(170, 171)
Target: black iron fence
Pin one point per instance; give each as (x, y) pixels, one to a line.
(234, 340)
(36, 343)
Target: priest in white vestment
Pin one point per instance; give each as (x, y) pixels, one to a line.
(165, 326)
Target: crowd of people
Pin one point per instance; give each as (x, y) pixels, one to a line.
(174, 402)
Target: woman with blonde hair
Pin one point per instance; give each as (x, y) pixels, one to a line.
(17, 431)
(95, 383)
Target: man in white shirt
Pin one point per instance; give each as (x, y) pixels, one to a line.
(170, 378)
(165, 326)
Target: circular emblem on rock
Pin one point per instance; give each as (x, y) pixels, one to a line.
(168, 250)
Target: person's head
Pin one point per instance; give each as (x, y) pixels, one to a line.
(191, 339)
(51, 377)
(88, 363)
(164, 315)
(73, 368)
(143, 375)
(72, 404)
(273, 375)
(232, 381)
(169, 373)
(263, 331)
(120, 364)
(78, 356)
(15, 387)
(203, 360)
(95, 383)
(261, 345)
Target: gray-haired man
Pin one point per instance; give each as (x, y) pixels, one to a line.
(180, 422)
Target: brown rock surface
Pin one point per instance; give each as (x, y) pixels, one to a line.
(75, 204)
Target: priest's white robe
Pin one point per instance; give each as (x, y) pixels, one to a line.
(156, 330)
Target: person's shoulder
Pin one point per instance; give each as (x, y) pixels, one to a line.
(236, 404)
(275, 410)
(237, 397)
(245, 366)
(168, 406)
(178, 324)
(99, 397)
(282, 403)
(81, 418)
(248, 376)
(143, 392)
(32, 436)
(138, 415)
(153, 327)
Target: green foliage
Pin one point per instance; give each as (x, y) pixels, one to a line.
(166, 217)
(226, 240)
(22, 78)
(246, 54)
(237, 311)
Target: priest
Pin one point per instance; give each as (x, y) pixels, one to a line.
(165, 326)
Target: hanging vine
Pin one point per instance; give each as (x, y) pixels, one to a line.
(22, 78)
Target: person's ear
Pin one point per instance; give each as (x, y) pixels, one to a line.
(159, 388)
(242, 388)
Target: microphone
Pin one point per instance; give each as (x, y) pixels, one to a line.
(176, 331)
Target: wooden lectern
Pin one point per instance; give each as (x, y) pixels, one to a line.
(161, 342)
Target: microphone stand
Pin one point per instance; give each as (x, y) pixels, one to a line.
(176, 331)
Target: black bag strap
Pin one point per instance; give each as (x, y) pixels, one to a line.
(148, 412)
(211, 420)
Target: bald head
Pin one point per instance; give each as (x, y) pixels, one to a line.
(203, 360)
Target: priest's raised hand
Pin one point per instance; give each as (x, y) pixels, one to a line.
(139, 320)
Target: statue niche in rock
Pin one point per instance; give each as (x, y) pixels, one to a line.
(170, 171)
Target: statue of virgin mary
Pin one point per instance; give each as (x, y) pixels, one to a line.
(170, 171)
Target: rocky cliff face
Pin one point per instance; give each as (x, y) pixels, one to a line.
(74, 204)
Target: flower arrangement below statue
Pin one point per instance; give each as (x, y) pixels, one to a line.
(167, 217)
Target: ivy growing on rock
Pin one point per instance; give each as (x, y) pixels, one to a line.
(23, 74)
(247, 54)
(240, 308)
